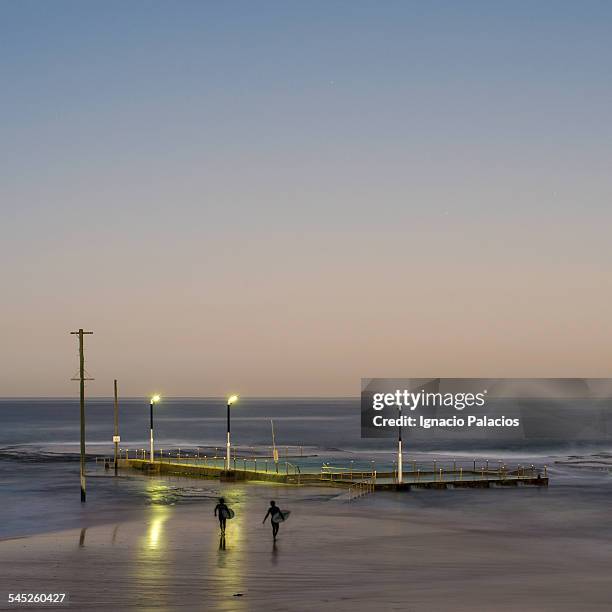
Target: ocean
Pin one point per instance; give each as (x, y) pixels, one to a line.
(39, 446)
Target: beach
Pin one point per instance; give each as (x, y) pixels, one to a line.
(524, 549)
(347, 260)
(152, 543)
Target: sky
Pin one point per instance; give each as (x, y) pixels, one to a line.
(280, 198)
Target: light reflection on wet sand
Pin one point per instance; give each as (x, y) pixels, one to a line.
(225, 563)
(153, 559)
(493, 550)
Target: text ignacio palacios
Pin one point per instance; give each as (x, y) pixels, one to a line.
(413, 400)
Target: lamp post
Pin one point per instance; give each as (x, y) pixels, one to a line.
(154, 400)
(116, 438)
(400, 472)
(230, 400)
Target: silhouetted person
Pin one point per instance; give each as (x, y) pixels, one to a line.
(222, 511)
(273, 510)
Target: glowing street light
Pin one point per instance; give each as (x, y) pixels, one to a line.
(154, 400)
(230, 400)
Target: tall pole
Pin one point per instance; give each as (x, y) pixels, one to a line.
(274, 451)
(400, 474)
(82, 380)
(116, 428)
(228, 450)
(151, 432)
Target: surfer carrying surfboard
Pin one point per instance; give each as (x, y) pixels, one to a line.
(223, 512)
(276, 516)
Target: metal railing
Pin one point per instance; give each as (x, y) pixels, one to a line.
(457, 471)
(334, 473)
(108, 462)
(438, 471)
(359, 489)
(342, 474)
(414, 471)
(260, 465)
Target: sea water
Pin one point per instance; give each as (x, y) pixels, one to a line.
(39, 457)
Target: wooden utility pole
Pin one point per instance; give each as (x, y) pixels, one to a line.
(82, 380)
(116, 438)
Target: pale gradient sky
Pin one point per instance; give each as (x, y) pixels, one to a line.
(278, 198)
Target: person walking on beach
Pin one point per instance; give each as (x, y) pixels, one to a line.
(273, 511)
(222, 511)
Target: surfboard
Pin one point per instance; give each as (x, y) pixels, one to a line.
(277, 517)
(228, 514)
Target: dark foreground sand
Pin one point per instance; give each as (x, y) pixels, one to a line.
(373, 554)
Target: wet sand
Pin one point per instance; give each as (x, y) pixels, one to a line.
(380, 552)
